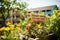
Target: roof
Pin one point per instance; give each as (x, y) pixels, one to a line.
(42, 8)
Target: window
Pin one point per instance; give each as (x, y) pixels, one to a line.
(43, 10)
(29, 12)
(48, 10)
(36, 11)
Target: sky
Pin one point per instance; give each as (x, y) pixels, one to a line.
(41, 3)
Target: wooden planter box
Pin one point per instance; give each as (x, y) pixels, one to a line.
(37, 18)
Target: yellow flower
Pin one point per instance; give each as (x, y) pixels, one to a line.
(17, 25)
(9, 23)
(12, 28)
(54, 17)
(18, 28)
(32, 33)
(7, 29)
(47, 16)
(38, 26)
(55, 11)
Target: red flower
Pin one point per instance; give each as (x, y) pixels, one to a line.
(28, 26)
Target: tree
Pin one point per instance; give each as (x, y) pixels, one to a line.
(6, 5)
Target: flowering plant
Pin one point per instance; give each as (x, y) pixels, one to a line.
(10, 33)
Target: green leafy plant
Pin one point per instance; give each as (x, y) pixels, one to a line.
(11, 35)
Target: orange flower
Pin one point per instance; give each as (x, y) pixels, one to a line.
(1, 29)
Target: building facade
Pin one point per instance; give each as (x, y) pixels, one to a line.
(37, 17)
(47, 9)
(14, 15)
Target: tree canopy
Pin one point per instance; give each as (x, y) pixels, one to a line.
(6, 5)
